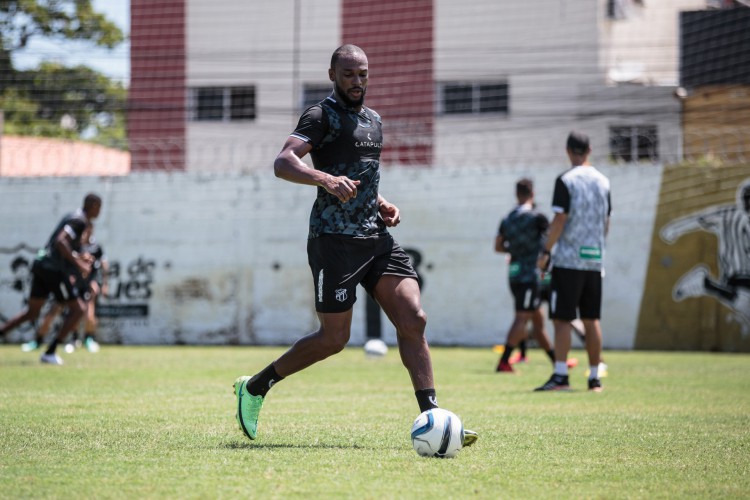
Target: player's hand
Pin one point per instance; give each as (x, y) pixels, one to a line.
(543, 262)
(84, 263)
(390, 214)
(341, 187)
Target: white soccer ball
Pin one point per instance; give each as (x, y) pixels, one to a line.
(375, 348)
(437, 433)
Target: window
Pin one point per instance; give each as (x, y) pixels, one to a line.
(223, 104)
(313, 93)
(634, 143)
(621, 9)
(470, 98)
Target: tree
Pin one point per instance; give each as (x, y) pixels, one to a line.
(57, 101)
(53, 100)
(22, 20)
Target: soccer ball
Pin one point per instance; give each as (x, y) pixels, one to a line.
(375, 348)
(437, 433)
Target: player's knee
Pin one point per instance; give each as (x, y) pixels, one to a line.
(333, 342)
(414, 325)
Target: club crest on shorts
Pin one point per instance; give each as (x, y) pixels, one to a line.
(341, 294)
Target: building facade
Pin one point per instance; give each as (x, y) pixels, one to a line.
(218, 86)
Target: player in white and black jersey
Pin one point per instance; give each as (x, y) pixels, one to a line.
(582, 206)
(348, 240)
(60, 270)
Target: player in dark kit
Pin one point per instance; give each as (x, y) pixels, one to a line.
(60, 270)
(521, 234)
(348, 241)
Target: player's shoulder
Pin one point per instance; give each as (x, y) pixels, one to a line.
(77, 217)
(374, 114)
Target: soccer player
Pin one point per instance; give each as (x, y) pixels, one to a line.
(582, 206)
(93, 285)
(521, 234)
(348, 241)
(59, 270)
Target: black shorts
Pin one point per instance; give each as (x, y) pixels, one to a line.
(340, 263)
(50, 281)
(574, 293)
(526, 296)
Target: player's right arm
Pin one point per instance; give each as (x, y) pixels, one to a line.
(290, 167)
(63, 244)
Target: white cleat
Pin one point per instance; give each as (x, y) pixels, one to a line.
(51, 359)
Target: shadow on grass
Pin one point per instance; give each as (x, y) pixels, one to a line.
(237, 445)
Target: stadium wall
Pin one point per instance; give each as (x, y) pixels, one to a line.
(220, 259)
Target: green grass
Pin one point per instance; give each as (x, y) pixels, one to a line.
(158, 422)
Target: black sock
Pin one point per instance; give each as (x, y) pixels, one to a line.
(522, 347)
(51, 347)
(506, 353)
(426, 399)
(551, 354)
(261, 383)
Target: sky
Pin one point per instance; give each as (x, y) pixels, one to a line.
(114, 63)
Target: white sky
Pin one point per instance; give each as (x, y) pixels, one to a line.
(114, 63)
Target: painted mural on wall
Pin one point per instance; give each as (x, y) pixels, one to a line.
(127, 301)
(731, 225)
(698, 285)
(15, 282)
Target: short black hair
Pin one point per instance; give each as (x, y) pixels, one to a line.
(524, 187)
(578, 142)
(91, 199)
(345, 50)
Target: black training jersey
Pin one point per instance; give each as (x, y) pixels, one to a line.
(523, 232)
(344, 142)
(97, 253)
(74, 224)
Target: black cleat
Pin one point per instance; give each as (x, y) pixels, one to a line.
(555, 383)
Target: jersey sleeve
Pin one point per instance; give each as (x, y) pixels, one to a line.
(312, 125)
(75, 227)
(501, 228)
(560, 197)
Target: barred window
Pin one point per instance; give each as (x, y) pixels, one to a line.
(313, 93)
(223, 103)
(473, 97)
(634, 143)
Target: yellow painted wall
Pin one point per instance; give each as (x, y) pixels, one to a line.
(695, 323)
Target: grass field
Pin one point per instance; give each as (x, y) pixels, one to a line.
(158, 422)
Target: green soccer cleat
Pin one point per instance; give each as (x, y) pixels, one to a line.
(30, 346)
(470, 437)
(248, 407)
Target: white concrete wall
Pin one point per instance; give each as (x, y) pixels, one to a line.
(223, 257)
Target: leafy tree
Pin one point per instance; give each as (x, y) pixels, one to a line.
(53, 100)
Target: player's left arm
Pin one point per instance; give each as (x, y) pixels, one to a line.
(500, 244)
(389, 212)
